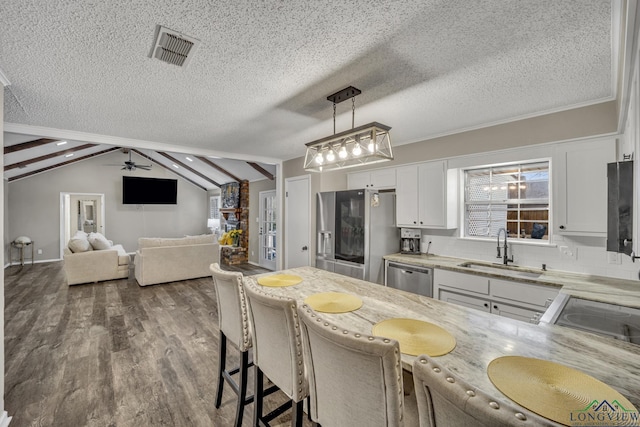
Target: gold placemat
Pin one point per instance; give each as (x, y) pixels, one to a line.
(279, 280)
(557, 392)
(333, 302)
(416, 337)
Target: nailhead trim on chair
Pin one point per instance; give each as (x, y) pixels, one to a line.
(495, 405)
(296, 325)
(370, 338)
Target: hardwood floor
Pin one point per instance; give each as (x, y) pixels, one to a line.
(113, 353)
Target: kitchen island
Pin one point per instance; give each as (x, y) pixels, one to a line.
(481, 337)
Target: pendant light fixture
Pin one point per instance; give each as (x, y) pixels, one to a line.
(364, 145)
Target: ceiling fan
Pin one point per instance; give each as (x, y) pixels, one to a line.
(130, 165)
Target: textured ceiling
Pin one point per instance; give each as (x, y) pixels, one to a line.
(258, 82)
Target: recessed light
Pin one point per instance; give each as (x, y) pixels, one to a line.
(176, 166)
(61, 142)
(189, 158)
(68, 155)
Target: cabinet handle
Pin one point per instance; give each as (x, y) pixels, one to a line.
(486, 305)
(548, 302)
(495, 307)
(420, 222)
(414, 222)
(562, 227)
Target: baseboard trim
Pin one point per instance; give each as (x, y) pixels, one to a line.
(5, 419)
(38, 261)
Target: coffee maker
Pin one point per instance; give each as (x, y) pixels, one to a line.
(410, 240)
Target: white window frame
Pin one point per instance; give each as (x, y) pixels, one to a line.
(515, 238)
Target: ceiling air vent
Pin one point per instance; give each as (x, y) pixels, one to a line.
(173, 47)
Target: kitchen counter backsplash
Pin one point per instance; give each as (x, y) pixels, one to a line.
(584, 255)
(598, 288)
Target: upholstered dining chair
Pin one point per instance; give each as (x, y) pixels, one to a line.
(354, 379)
(277, 352)
(233, 316)
(445, 400)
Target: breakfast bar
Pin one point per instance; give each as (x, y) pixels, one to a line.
(480, 337)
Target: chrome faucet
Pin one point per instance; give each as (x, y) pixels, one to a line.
(505, 259)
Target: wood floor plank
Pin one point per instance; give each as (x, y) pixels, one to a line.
(113, 353)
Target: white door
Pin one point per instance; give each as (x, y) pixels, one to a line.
(297, 221)
(268, 215)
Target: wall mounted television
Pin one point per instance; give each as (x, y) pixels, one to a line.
(149, 191)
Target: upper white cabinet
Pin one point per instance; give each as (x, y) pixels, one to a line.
(426, 196)
(580, 177)
(380, 179)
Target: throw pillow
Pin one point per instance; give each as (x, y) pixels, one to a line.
(98, 241)
(80, 235)
(79, 245)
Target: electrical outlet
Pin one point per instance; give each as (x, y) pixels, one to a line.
(39, 251)
(567, 253)
(613, 258)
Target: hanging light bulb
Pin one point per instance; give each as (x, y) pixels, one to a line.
(357, 146)
(331, 156)
(343, 152)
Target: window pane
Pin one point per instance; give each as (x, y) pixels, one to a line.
(513, 196)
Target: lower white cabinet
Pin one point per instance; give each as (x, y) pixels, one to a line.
(464, 300)
(507, 298)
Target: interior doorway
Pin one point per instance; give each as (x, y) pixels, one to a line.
(297, 221)
(80, 211)
(268, 220)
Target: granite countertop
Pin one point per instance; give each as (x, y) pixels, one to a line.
(481, 337)
(595, 288)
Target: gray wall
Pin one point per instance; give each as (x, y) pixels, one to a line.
(34, 205)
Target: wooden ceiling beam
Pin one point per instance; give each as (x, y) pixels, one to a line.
(187, 167)
(168, 168)
(47, 157)
(29, 144)
(260, 169)
(218, 168)
(68, 162)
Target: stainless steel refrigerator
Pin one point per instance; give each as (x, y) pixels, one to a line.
(355, 229)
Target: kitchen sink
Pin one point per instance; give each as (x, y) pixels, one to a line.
(611, 320)
(501, 269)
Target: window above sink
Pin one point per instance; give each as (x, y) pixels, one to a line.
(513, 196)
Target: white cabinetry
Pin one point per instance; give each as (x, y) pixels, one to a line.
(426, 196)
(521, 301)
(379, 179)
(580, 177)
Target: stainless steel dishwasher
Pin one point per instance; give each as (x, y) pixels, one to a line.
(411, 278)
